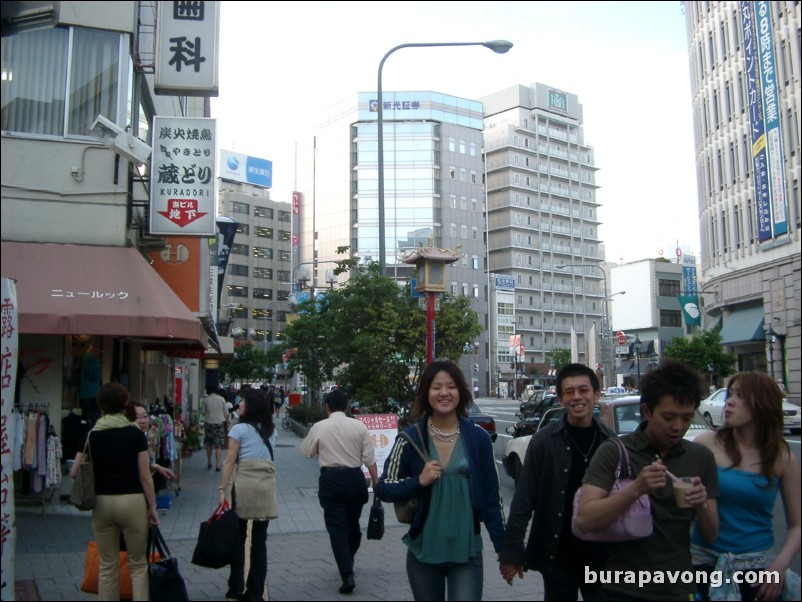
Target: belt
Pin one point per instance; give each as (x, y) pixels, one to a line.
(327, 468)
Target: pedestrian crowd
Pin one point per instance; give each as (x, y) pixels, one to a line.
(612, 517)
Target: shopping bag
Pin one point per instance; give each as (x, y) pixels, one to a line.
(92, 573)
(376, 519)
(166, 583)
(218, 539)
(82, 495)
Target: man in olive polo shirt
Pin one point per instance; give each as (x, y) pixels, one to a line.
(670, 396)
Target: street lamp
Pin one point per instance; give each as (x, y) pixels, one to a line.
(609, 368)
(771, 337)
(636, 347)
(497, 46)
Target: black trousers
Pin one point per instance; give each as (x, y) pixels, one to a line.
(342, 493)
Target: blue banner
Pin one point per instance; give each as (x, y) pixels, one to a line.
(757, 125)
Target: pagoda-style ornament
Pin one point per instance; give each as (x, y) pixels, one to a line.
(430, 263)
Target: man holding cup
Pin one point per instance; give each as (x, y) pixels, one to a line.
(659, 457)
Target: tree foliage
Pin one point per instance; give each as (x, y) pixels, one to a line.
(248, 364)
(701, 351)
(559, 358)
(370, 335)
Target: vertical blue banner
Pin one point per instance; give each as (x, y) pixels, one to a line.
(771, 115)
(756, 124)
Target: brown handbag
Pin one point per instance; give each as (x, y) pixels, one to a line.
(405, 511)
(82, 495)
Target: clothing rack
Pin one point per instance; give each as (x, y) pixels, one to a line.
(46, 494)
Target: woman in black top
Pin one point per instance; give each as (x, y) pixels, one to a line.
(125, 499)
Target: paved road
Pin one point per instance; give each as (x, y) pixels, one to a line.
(51, 543)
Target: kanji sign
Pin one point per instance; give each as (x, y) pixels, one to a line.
(182, 176)
(621, 337)
(187, 43)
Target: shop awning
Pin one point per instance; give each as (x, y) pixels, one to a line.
(743, 325)
(107, 291)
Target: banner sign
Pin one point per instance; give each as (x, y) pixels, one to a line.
(8, 344)
(187, 48)
(383, 429)
(183, 183)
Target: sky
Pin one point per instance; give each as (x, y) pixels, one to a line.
(283, 64)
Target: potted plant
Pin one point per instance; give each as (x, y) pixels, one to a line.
(191, 442)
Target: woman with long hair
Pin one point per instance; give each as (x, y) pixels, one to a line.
(250, 444)
(137, 412)
(754, 465)
(124, 496)
(458, 488)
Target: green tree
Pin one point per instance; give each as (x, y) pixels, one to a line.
(701, 351)
(248, 363)
(559, 358)
(372, 335)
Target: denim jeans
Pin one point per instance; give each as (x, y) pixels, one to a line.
(429, 581)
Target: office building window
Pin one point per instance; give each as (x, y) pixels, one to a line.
(237, 249)
(284, 216)
(243, 208)
(285, 235)
(668, 288)
(263, 253)
(238, 270)
(671, 318)
(39, 99)
(263, 273)
(284, 255)
(237, 291)
(263, 293)
(242, 229)
(263, 212)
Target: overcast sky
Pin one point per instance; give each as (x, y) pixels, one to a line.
(283, 63)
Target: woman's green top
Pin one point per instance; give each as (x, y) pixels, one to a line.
(447, 534)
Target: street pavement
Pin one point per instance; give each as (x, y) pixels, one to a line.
(51, 543)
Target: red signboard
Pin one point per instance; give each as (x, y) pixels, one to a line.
(622, 338)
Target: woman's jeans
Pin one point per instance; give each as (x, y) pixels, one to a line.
(257, 574)
(428, 581)
(129, 514)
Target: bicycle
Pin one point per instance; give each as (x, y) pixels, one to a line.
(286, 421)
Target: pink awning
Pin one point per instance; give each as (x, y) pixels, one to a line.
(107, 291)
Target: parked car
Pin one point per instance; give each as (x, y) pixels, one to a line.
(524, 427)
(536, 404)
(486, 421)
(621, 415)
(712, 408)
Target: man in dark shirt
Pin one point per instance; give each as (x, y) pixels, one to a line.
(670, 396)
(555, 463)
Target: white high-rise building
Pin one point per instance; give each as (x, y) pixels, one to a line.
(744, 64)
(542, 215)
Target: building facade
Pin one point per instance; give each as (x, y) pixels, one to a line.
(542, 227)
(258, 279)
(744, 60)
(433, 194)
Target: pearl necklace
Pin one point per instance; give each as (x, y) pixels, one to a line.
(445, 436)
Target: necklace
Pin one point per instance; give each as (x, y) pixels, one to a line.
(445, 436)
(579, 449)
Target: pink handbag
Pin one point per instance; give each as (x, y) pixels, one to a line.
(635, 523)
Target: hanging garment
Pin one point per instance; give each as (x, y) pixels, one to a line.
(54, 455)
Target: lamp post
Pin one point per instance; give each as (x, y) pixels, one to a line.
(497, 46)
(636, 347)
(771, 337)
(606, 351)
(607, 348)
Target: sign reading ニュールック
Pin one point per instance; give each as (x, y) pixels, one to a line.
(187, 42)
(182, 176)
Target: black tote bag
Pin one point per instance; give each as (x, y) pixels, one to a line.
(218, 539)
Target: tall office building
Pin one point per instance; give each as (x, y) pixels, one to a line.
(542, 214)
(253, 304)
(433, 193)
(744, 65)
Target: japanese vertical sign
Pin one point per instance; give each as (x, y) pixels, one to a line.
(689, 299)
(182, 177)
(8, 345)
(187, 46)
(764, 123)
